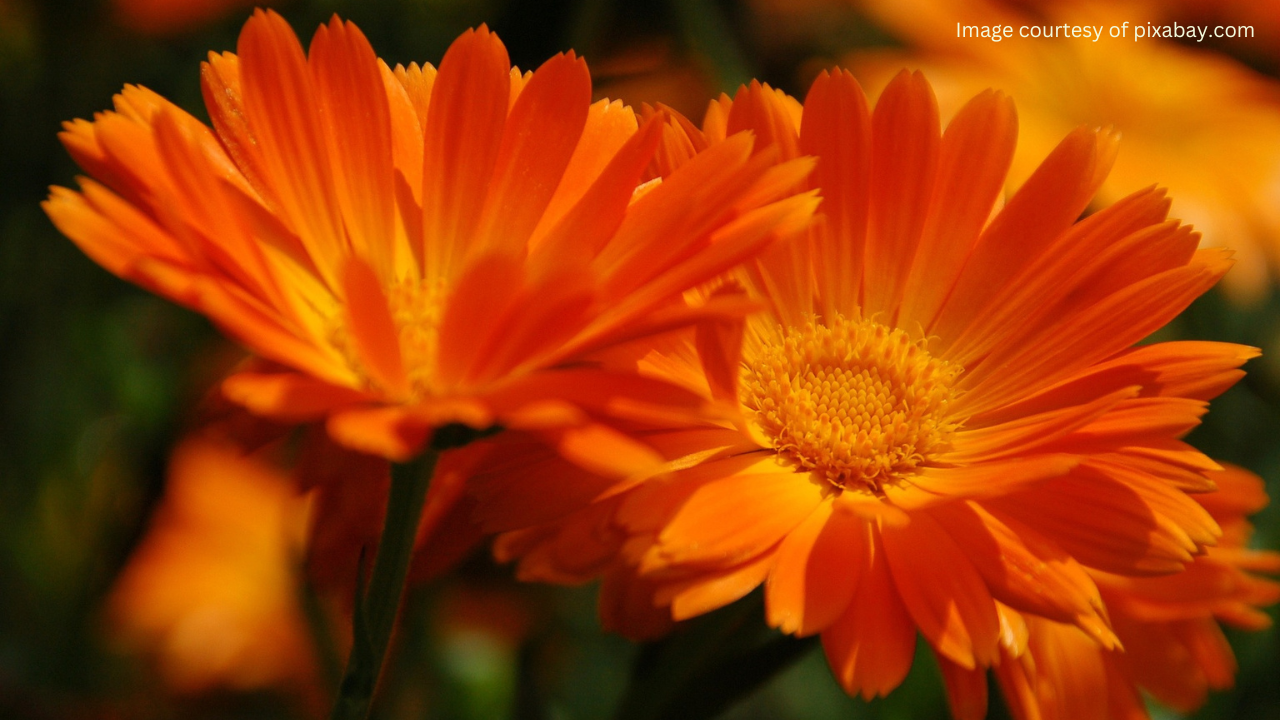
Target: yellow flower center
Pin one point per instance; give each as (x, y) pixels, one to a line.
(855, 403)
(417, 307)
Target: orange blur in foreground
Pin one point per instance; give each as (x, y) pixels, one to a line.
(212, 591)
(940, 422)
(408, 248)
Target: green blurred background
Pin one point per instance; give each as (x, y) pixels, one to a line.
(97, 380)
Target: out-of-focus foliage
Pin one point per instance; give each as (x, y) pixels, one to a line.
(98, 382)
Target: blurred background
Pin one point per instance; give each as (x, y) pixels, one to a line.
(147, 576)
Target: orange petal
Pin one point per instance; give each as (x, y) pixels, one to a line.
(1073, 277)
(784, 275)
(1172, 507)
(406, 123)
(481, 296)
(1190, 369)
(1025, 570)
(417, 81)
(547, 313)
(680, 211)
(1029, 433)
(989, 479)
(1134, 421)
(734, 519)
(870, 647)
(710, 592)
(389, 432)
(464, 127)
(757, 108)
(726, 247)
(223, 98)
(523, 483)
(204, 218)
(374, 332)
(1178, 663)
(904, 160)
(1199, 370)
(399, 432)
(1240, 493)
(974, 158)
(356, 117)
(719, 343)
(588, 542)
(818, 568)
(1100, 521)
(604, 451)
(112, 232)
(1102, 330)
(837, 130)
(1071, 672)
(627, 607)
(966, 689)
(1046, 205)
(583, 229)
(248, 323)
(288, 397)
(541, 133)
(610, 125)
(946, 596)
(281, 108)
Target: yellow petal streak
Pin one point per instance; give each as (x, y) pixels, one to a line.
(416, 308)
(854, 402)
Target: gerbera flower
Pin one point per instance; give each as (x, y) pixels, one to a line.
(407, 249)
(1217, 155)
(941, 415)
(1173, 646)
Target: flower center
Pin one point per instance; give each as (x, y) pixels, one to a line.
(417, 307)
(855, 403)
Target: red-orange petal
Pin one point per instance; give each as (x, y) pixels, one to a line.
(817, 570)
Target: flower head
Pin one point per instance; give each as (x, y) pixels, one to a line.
(410, 248)
(941, 417)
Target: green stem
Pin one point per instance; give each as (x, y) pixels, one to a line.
(375, 611)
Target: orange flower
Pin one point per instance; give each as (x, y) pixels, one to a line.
(413, 248)
(942, 411)
(1173, 646)
(172, 16)
(212, 589)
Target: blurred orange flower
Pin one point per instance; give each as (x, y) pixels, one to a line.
(1173, 646)
(652, 73)
(942, 411)
(212, 590)
(407, 249)
(1198, 123)
(172, 16)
